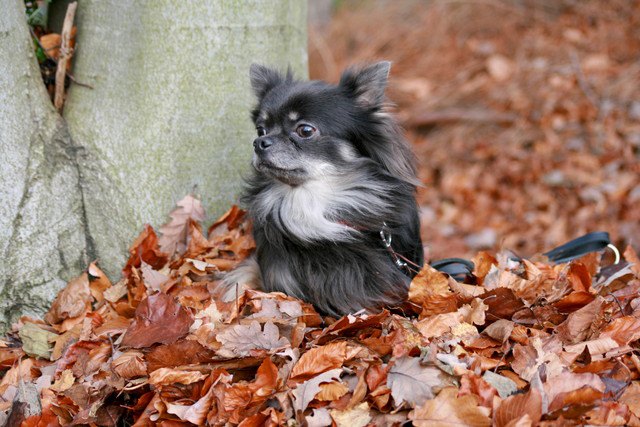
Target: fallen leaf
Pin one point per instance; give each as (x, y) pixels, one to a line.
(623, 330)
(332, 391)
(358, 416)
(412, 383)
(196, 413)
(447, 409)
(631, 397)
(153, 279)
(430, 290)
(36, 341)
(320, 418)
(174, 233)
(65, 381)
(318, 360)
(239, 340)
(517, 406)
(158, 319)
(305, 392)
(98, 282)
(168, 376)
(72, 301)
(130, 364)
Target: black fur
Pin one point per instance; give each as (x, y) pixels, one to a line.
(318, 203)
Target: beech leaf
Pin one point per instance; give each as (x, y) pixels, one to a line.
(174, 233)
(158, 319)
(447, 410)
(411, 382)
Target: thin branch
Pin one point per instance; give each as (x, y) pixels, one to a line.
(65, 55)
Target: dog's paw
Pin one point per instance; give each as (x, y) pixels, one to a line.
(245, 276)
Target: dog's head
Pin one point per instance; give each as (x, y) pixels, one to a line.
(308, 130)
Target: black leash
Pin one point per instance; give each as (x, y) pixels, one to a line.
(462, 270)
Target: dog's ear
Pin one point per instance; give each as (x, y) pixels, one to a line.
(367, 84)
(264, 79)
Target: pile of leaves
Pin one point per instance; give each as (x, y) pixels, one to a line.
(528, 343)
(525, 115)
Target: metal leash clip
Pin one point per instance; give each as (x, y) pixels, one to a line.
(386, 241)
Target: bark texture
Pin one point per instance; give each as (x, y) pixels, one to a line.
(168, 114)
(42, 228)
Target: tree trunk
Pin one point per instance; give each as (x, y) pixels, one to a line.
(42, 228)
(169, 108)
(168, 114)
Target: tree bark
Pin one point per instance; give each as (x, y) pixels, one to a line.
(169, 108)
(168, 114)
(42, 228)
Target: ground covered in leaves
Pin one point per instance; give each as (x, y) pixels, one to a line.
(525, 115)
(528, 343)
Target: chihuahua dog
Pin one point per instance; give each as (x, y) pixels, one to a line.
(332, 195)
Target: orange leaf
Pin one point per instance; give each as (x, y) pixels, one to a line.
(430, 290)
(318, 360)
(514, 407)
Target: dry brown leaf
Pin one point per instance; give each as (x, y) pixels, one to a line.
(430, 290)
(158, 319)
(332, 391)
(153, 279)
(174, 233)
(411, 382)
(98, 282)
(305, 392)
(527, 359)
(358, 416)
(130, 364)
(196, 413)
(515, 407)
(623, 330)
(168, 376)
(577, 326)
(631, 397)
(240, 340)
(447, 409)
(318, 360)
(72, 301)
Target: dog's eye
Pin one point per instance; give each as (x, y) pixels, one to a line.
(305, 131)
(261, 131)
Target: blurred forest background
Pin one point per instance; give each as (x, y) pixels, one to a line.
(525, 115)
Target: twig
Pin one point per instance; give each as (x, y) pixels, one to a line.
(73, 79)
(65, 55)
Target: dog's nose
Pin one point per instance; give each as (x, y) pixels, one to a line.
(262, 143)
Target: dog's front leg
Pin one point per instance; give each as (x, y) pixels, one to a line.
(245, 276)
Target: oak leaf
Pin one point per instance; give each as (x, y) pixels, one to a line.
(239, 340)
